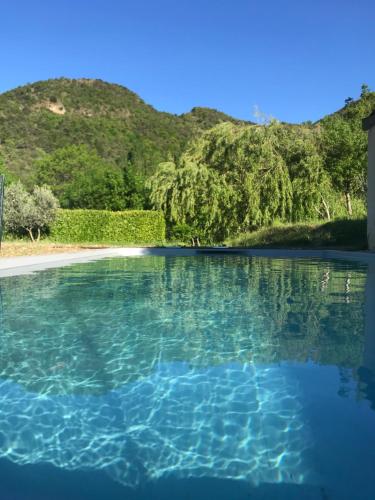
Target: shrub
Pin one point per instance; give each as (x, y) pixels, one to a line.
(186, 234)
(344, 234)
(29, 212)
(134, 227)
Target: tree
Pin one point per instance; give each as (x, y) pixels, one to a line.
(29, 212)
(311, 187)
(45, 208)
(365, 89)
(9, 176)
(236, 178)
(135, 192)
(81, 179)
(97, 189)
(195, 195)
(345, 156)
(230, 179)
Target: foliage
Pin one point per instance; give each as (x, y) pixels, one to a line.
(344, 147)
(207, 118)
(235, 178)
(183, 234)
(183, 194)
(365, 90)
(109, 119)
(135, 191)
(29, 212)
(348, 234)
(46, 206)
(99, 146)
(134, 227)
(311, 186)
(81, 179)
(9, 177)
(356, 109)
(345, 156)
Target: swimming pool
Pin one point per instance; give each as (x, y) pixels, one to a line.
(223, 377)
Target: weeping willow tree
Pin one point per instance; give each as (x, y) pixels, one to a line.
(236, 178)
(311, 186)
(194, 194)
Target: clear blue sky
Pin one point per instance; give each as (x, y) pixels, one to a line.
(295, 59)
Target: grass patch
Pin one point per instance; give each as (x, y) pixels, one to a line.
(346, 234)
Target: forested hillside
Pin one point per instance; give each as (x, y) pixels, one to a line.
(98, 145)
(109, 119)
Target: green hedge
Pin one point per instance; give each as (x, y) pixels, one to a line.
(134, 227)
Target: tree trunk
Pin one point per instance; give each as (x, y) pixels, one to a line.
(348, 204)
(326, 209)
(38, 238)
(30, 231)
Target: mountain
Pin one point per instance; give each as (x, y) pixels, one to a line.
(206, 118)
(111, 120)
(41, 117)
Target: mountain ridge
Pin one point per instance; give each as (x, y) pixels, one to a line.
(41, 117)
(38, 118)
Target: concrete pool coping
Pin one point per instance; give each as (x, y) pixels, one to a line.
(14, 266)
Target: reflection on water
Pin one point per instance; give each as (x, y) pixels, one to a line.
(91, 327)
(149, 367)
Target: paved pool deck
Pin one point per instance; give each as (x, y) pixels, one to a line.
(13, 266)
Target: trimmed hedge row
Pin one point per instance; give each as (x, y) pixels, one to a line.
(135, 227)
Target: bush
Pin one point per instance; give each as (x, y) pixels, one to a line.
(134, 227)
(29, 212)
(186, 234)
(347, 234)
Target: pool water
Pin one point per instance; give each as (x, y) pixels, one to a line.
(174, 378)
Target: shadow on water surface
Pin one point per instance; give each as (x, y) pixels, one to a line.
(45, 482)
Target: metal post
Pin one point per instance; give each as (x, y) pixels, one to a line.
(2, 182)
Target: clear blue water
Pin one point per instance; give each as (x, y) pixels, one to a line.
(188, 378)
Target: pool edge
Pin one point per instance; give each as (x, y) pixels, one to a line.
(14, 266)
